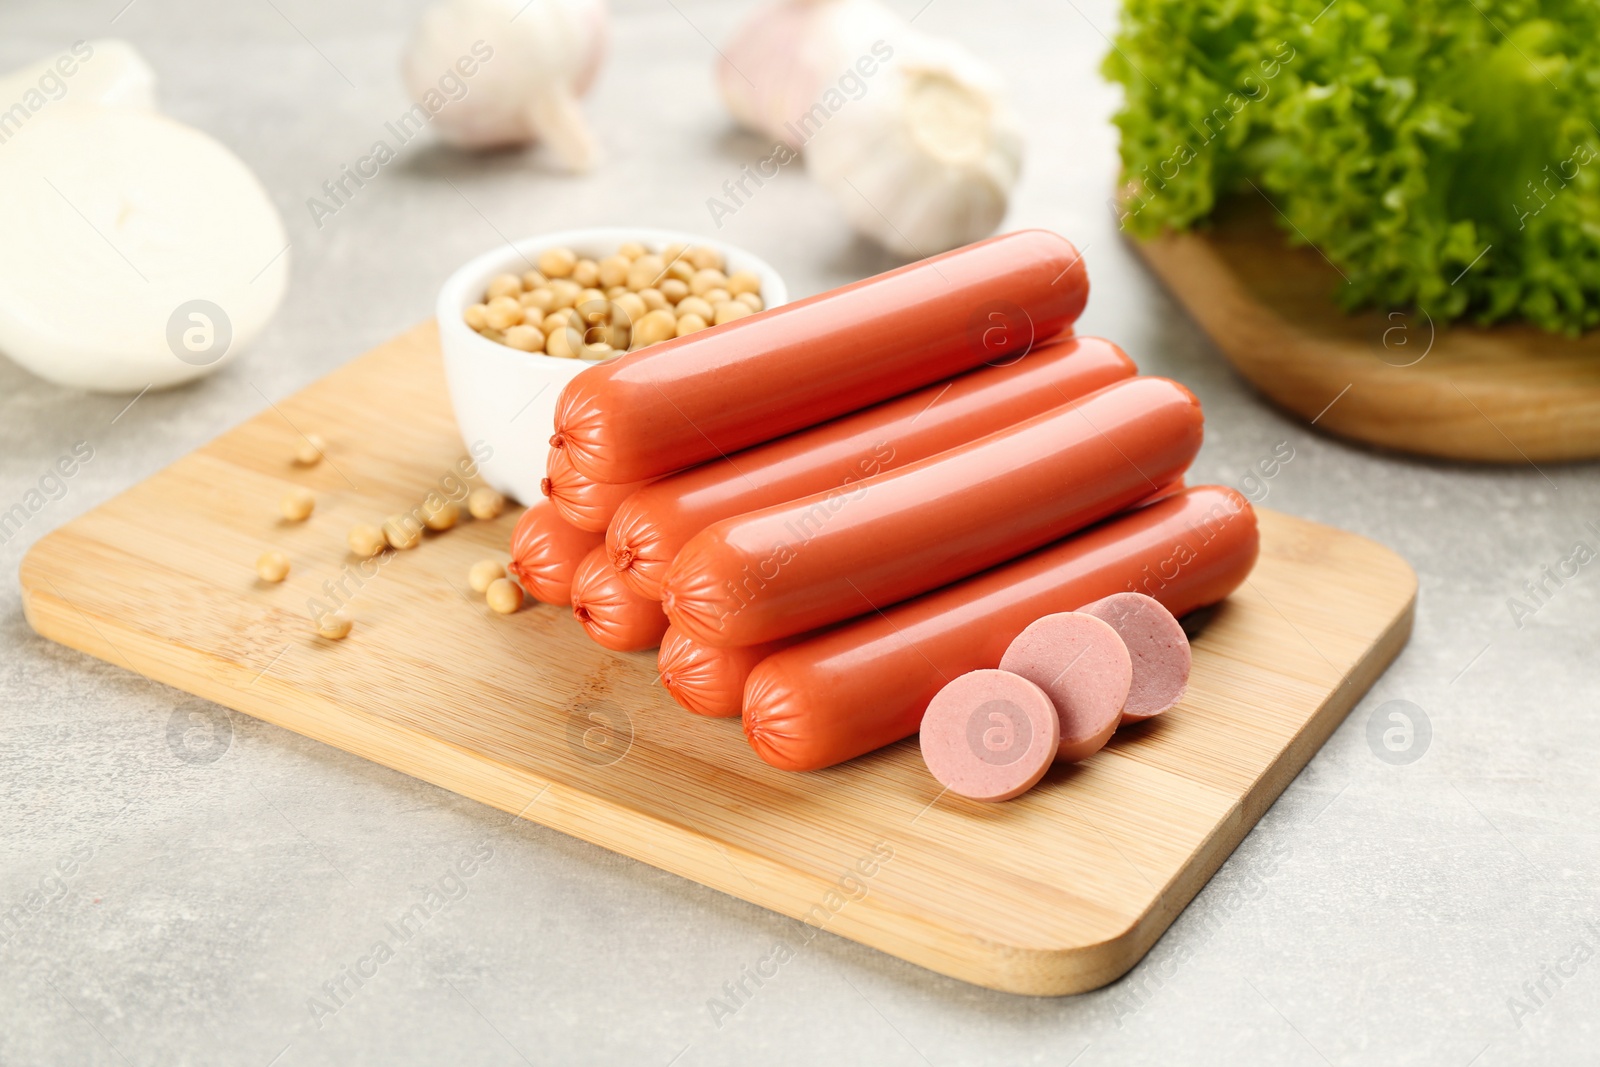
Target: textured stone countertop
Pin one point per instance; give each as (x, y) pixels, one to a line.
(1380, 913)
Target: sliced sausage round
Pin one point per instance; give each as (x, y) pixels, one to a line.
(1158, 646)
(990, 735)
(1084, 667)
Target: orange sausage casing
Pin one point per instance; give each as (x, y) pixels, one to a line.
(652, 525)
(1177, 485)
(706, 680)
(831, 556)
(698, 397)
(585, 503)
(545, 552)
(865, 685)
(612, 614)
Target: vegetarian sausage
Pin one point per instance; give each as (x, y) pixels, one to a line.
(706, 680)
(1159, 649)
(1177, 485)
(1084, 667)
(587, 504)
(864, 685)
(990, 735)
(708, 394)
(545, 552)
(612, 614)
(831, 556)
(652, 525)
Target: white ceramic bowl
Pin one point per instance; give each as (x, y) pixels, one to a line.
(506, 399)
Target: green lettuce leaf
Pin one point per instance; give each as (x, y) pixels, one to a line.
(1442, 153)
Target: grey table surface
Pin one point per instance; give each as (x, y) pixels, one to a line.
(1437, 911)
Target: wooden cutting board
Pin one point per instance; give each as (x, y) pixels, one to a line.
(1396, 379)
(1059, 891)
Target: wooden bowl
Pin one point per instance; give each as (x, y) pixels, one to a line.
(1503, 394)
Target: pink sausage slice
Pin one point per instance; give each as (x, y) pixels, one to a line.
(1158, 645)
(1084, 667)
(990, 735)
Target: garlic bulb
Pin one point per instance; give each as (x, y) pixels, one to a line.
(138, 252)
(105, 71)
(926, 161)
(910, 134)
(783, 59)
(509, 72)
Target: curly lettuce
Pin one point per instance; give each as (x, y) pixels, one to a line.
(1443, 154)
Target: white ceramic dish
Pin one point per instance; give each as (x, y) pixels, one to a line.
(506, 399)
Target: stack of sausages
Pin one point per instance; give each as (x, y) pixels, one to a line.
(824, 512)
